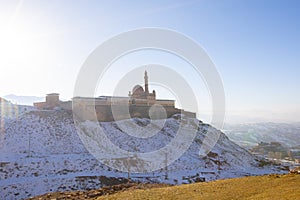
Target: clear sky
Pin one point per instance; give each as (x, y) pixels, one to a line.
(255, 45)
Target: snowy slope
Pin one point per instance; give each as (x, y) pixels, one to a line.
(42, 152)
(9, 113)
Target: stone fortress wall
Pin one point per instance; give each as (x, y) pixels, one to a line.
(139, 103)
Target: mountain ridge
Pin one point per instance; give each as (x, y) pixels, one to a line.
(251, 134)
(23, 99)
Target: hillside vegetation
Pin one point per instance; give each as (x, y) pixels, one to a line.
(256, 187)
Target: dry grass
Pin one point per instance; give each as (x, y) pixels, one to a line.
(259, 187)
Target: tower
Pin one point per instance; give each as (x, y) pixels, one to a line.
(146, 82)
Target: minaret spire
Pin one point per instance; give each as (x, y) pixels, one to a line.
(146, 82)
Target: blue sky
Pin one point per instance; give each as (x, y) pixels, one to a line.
(255, 45)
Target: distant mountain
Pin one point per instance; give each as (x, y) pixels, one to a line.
(249, 135)
(23, 100)
(42, 152)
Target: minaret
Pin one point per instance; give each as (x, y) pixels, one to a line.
(146, 82)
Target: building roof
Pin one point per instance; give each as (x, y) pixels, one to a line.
(52, 94)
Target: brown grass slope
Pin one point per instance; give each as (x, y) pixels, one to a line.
(256, 187)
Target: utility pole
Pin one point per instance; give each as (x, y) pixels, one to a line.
(166, 165)
(29, 145)
(128, 168)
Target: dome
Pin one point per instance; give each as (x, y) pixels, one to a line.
(137, 90)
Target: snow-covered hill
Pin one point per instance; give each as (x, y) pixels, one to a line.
(42, 152)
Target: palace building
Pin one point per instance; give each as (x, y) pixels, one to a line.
(139, 103)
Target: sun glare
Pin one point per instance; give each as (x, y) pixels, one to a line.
(17, 46)
(24, 49)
